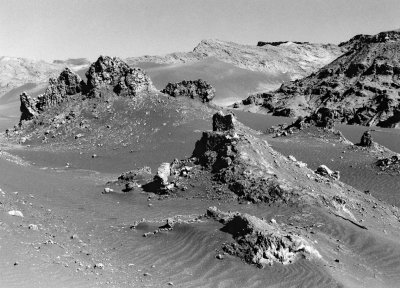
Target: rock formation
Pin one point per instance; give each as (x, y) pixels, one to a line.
(360, 87)
(67, 84)
(198, 89)
(366, 139)
(28, 107)
(227, 154)
(222, 122)
(115, 74)
(259, 242)
(106, 73)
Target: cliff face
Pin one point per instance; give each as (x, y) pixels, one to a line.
(360, 87)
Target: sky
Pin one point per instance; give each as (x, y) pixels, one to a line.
(54, 29)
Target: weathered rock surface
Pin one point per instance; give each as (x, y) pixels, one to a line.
(115, 74)
(198, 89)
(261, 243)
(360, 87)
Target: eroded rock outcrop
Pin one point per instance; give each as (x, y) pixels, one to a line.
(261, 243)
(67, 84)
(28, 107)
(198, 89)
(232, 160)
(115, 74)
(105, 74)
(360, 87)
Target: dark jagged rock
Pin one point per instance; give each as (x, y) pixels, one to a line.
(67, 84)
(360, 87)
(222, 122)
(259, 242)
(198, 89)
(366, 140)
(115, 74)
(28, 107)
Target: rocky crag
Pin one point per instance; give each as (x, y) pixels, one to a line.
(105, 74)
(360, 87)
(294, 59)
(198, 89)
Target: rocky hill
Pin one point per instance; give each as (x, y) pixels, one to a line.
(116, 107)
(360, 87)
(295, 59)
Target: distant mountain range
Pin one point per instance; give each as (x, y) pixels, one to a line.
(295, 59)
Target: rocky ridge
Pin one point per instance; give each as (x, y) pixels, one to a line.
(295, 59)
(360, 87)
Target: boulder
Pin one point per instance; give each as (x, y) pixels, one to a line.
(163, 172)
(323, 170)
(198, 89)
(366, 139)
(222, 122)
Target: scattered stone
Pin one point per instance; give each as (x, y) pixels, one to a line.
(16, 213)
(219, 257)
(99, 266)
(33, 227)
(107, 190)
